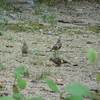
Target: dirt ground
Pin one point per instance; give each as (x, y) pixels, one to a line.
(73, 23)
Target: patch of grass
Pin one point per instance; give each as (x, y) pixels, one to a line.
(6, 4)
(93, 28)
(77, 31)
(50, 18)
(43, 75)
(44, 17)
(21, 26)
(37, 9)
(48, 2)
(3, 20)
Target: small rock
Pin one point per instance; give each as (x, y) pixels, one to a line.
(28, 6)
(41, 30)
(26, 1)
(88, 42)
(49, 32)
(97, 6)
(13, 16)
(83, 7)
(4, 12)
(33, 81)
(29, 3)
(86, 36)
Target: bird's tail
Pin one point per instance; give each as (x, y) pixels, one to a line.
(59, 39)
(65, 61)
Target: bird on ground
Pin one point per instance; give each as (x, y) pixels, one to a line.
(58, 45)
(24, 48)
(59, 61)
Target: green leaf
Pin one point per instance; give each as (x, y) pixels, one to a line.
(6, 98)
(0, 34)
(77, 89)
(15, 89)
(21, 82)
(92, 55)
(18, 96)
(74, 97)
(19, 70)
(36, 98)
(98, 77)
(52, 85)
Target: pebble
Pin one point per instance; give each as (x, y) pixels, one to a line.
(49, 32)
(13, 16)
(97, 6)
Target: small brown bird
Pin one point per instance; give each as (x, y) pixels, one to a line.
(58, 61)
(24, 48)
(58, 45)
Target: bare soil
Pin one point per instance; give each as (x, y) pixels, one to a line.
(72, 22)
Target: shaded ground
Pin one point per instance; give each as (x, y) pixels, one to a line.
(79, 26)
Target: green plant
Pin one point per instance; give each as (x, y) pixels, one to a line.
(20, 26)
(25, 73)
(19, 84)
(77, 31)
(47, 2)
(92, 56)
(76, 90)
(93, 28)
(98, 1)
(39, 1)
(43, 75)
(66, 2)
(45, 17)
(49, 18)
(0, 33)
(5, 4)
(3, 20)
(82, 91)
(52, 19)
(37, 9)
